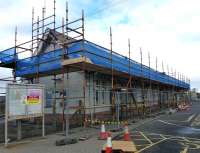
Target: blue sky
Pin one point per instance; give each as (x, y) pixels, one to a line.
(168, 29)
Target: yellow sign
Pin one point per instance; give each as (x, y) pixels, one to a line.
(33, 100)
(33, 97)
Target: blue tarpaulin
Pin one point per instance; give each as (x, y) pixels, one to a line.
(98, 55)
(8, 56)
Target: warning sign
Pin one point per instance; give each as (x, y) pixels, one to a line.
(33, 97)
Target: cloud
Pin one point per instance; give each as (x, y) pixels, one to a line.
(165, 30)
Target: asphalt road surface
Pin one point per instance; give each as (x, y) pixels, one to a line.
(175, 133)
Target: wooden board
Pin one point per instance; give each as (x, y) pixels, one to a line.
(125, 146)
(75, 61)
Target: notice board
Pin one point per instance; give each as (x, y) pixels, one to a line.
(24, 100)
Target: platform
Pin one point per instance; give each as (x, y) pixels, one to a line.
(122, 146)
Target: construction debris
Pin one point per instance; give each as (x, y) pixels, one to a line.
(66, 141)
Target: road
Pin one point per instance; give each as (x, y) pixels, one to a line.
(175, 133)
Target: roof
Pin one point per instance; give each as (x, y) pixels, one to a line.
(51, 40)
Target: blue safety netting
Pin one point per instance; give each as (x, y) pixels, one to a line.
(100, 56)
(8, 56)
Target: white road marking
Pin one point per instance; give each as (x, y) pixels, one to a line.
(191, 117)
(196, 121)
(149, 146)
(165, 122)
(146, 137)
(185, 150)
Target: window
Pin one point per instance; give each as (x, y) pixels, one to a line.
(97, 97)
(103, 96)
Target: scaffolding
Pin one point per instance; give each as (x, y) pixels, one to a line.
(45, 55)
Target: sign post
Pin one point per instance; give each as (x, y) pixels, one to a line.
(19, 130)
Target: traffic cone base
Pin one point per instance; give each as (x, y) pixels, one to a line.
(108, 150)
(103, 134)
(127, 136)
(109, 145)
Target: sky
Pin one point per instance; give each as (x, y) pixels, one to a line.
(168, 29)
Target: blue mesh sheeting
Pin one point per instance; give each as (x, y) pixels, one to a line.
(45, 62)
(99, 56)
(8, 56)
(42, 63)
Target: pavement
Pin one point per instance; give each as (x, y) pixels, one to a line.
(178, 132)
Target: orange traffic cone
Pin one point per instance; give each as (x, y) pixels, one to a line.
(103, 134)
(127, 136)
(109, 145)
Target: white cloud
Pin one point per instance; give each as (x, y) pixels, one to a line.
(159, 30)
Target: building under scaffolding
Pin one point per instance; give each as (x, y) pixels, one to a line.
(86, 80)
